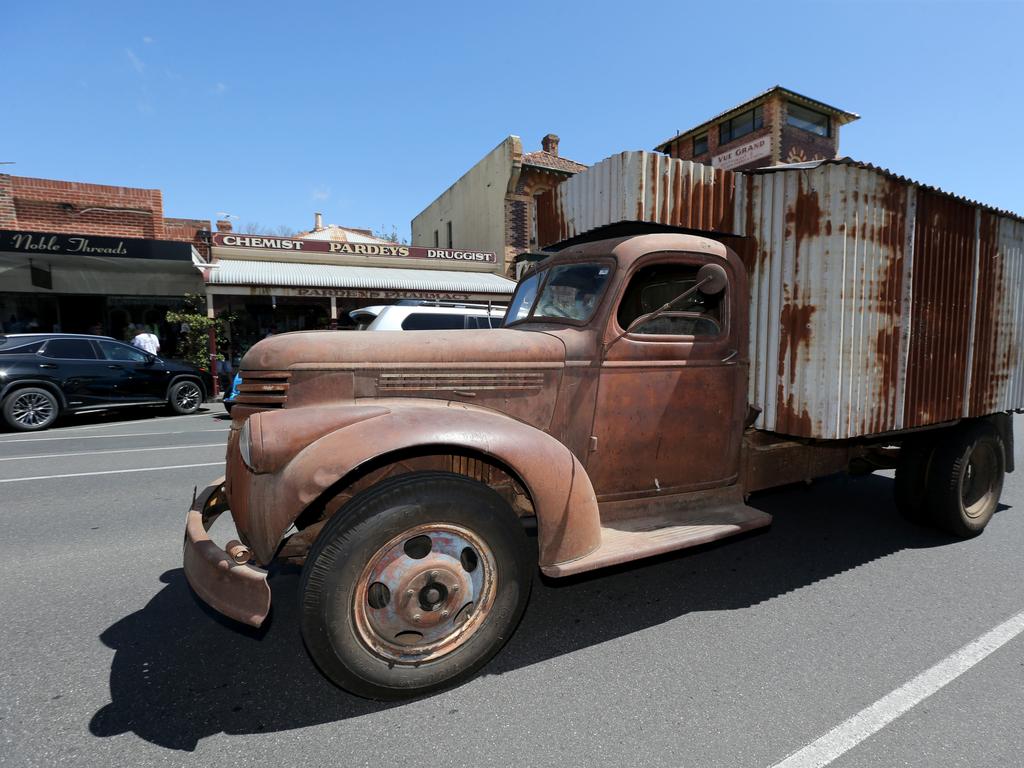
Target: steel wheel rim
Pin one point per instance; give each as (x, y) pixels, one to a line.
(32, 409)
(187, 396)
(409, 610)
(979, 480)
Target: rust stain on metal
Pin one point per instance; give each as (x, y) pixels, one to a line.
(794, 348)
(941, 309)
(807, 213)
(994, 359)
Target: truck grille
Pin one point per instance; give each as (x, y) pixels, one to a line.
(445, 381)
(263, 389)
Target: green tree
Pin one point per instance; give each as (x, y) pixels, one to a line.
(194, 341)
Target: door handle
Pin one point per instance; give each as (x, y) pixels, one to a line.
(116, 367)
(731, 355)
(47, 365)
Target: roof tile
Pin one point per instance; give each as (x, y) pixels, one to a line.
(552, 162)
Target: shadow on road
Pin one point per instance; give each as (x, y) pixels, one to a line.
(181, 673)
(141, 413)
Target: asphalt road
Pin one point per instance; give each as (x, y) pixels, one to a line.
(736, 654)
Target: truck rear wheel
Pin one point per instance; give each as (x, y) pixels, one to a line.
(966, 479)
(414, 585)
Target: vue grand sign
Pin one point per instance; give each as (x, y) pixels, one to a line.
(266, 243)
(46, 243)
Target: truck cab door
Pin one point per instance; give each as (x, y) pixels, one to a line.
(671, 393)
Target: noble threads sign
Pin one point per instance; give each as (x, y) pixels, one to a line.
(50, 244)
(390, 250)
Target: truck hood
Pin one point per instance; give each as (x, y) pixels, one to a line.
(331, 349)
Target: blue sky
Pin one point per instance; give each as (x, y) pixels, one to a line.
(367, 111)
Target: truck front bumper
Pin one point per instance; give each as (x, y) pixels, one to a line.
(238, 591)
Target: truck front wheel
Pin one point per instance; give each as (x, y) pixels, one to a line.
(414, 585)
(966, 479)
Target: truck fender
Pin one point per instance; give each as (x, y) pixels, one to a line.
(568, 522)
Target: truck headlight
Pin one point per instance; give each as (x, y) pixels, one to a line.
(245, 445)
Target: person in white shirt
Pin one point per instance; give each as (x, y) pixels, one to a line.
(146, 341)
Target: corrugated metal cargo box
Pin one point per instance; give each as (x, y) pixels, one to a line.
(641, 186)
(877, 304)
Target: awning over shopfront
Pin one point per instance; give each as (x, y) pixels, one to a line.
(333, 279)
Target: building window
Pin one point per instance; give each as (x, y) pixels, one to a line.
(700, 144)
(436, 241)
(741, 125)
(808, 119)
(450, 235)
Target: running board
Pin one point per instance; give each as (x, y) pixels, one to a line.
(625, 540)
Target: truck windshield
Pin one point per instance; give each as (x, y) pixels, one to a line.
(565, 292)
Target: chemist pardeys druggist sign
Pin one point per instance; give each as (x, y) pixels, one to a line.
(393, 250)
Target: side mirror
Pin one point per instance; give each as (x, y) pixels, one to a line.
(712, 279)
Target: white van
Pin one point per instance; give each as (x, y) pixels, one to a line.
(428, 317)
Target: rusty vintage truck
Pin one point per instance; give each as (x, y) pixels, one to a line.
(627, 409)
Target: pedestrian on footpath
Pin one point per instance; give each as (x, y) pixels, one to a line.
(146, 341)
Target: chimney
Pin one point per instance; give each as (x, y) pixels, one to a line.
(318, 221)
(224, 225)
(550, 144)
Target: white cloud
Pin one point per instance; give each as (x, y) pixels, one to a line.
(147, 40)
(219, 88)
(137, 64)
(321, 192)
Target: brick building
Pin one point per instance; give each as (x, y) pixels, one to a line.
(540, 172)
(76, 255)
(493, 206)
(777, 126)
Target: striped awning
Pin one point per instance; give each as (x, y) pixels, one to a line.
(298, 275)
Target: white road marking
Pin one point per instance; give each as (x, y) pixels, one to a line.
(119, 450)
(872, 719)
(112, 472)
(127, 434)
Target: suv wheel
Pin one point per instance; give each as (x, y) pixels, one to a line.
(30, 409)
(185, 397)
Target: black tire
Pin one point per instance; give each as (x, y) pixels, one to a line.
(911, 487)
(966, 479)
(30, 409)
(338, 633)
(185, 397)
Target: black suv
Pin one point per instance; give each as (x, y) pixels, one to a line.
(45, 375)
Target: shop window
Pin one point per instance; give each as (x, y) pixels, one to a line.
(423, 321)
(744, 123)
(808, 119)
(69, 349)
(700, 144)
(450, 235)
(654, 286)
